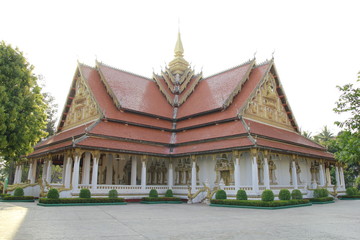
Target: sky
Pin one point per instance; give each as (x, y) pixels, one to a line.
(315, 44)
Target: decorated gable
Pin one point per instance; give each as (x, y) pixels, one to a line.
(266, 106)
(83, 108)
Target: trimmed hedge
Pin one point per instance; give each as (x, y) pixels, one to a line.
(322, 199)
(351, 191)
(2, 195)
(169, 193)
(19, 192)
(284, 194)
(259, 203)
(159, 199)
(53, 193)
(267, 195)
(347, 196)
(113, 194)
(241, 195)
(80, 200)
(321, 193)
(153, 193)
(85, 193)
(296, 194)
(220, 194)
(9, 198)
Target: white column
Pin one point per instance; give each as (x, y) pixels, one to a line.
(255, 177)
(75, 178)
(322, 175)
(85, 179)
(237, 173)
(133, 170)
(95, 171)
(193, 175)
(328, 177)
(143, 174)
(34, 170)
(48, 171)
(44, 170)
(266, 172)
(294, 175)
(30, 171)
(68, 172)
(342, 178)
(170, 175)
(337, 175)
(109, 169)
(64, 169)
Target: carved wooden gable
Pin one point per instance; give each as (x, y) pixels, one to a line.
(83, 107)
(266, 105)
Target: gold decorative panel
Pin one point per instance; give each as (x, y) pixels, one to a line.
(83, 108)
(266, 105)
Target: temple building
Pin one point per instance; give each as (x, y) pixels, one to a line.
(179, 130)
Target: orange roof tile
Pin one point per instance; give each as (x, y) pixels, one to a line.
(120, 130)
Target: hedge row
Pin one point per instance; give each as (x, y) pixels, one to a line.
(8, 198)
(2, 195)
(156, 199)
(80, 200)
(259, 203)
(322, 199)
(347, 196)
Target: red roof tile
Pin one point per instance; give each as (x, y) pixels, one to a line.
(122, 146)
(212, 92)
(285, 135)
(213, 146)
(108, 107)
(51, 148)
(121, 130)
(292, 148)
(135, 92)
(209, 132)
(239, 101)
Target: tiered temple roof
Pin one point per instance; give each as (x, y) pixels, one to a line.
(178, 112)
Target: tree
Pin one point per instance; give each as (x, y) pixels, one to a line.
(306, 134)
(22, 106)
(348, 141)
(324, 137)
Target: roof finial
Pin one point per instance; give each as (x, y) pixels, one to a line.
(272, 55)
(178, 65)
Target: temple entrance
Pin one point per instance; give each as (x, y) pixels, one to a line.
(225, 176)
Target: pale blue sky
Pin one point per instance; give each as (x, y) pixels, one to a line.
(316, 43)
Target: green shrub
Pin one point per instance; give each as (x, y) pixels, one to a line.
(349, 197)
(296, 194)
(259, 203)
(113, 194)
(9, 198)
(53, 193)
(284, 194)
(322, 199)
(321, 193)
(220, 194)
(351, 191)
(241, 195)
(80, 200)
(2, 195)
(19, 192)
(160, 199)
(85, 193)
(153, 193)
(267, 195)
(169, 193)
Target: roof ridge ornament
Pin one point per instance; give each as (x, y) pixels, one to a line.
(178, 65)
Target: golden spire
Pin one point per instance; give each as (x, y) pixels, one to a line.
(178, 65)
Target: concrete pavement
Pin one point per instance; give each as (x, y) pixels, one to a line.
(340, 220)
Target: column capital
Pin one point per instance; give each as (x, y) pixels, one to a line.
(78, 152)
(266, 153)
(95, 154)
(253, 152)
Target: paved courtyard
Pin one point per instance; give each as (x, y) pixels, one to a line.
(340, 220)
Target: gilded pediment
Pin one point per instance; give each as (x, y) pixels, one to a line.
(83, 107)
(266, 105)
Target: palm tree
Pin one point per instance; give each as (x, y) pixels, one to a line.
(324, 137)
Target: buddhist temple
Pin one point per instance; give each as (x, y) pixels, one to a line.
(178, 130)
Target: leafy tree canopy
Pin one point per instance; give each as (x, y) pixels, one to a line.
(22, 106)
